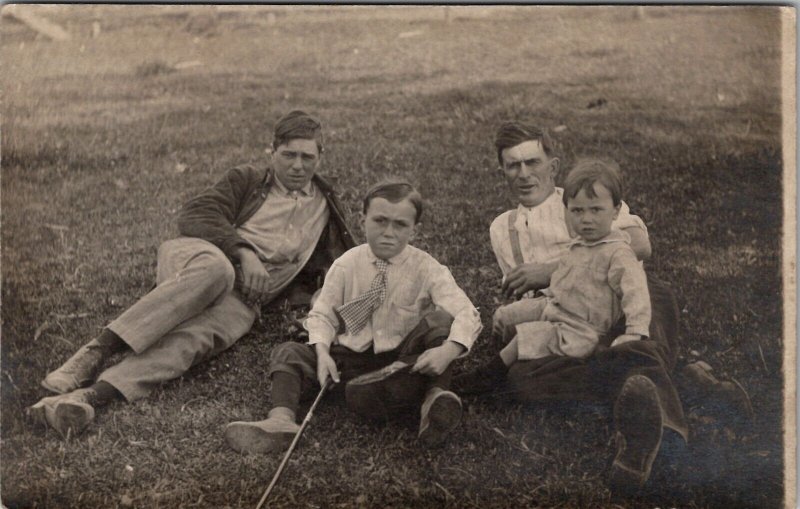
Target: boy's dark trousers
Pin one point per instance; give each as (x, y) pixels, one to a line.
(293, 367)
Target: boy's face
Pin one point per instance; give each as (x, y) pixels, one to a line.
(295, 162)
(529, 172)
(389, 226)
(591, 218)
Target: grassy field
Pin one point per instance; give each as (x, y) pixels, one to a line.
(104, 137)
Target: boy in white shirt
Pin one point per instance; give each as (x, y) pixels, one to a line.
(389, 321)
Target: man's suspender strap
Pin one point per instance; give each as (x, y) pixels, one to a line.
(513, 235)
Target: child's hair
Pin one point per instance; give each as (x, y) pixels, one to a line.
(587, 172)
(395, 190)
(512, 133)
(297, 124)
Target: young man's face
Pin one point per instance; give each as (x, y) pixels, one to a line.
(296, 162)
(529, 172)
(591, 218)
(389, 226)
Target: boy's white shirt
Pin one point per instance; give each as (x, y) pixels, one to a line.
(543, 233)
(416, 284)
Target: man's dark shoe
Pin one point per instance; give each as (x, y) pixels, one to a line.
(728, 397)
(78, 371)
(637, 414)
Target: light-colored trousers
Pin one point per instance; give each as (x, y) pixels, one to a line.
(191, 315)
(543, 329)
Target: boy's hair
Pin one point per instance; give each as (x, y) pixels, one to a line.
(512, 133)
(587, 172)
(395, 190)
(297, 124)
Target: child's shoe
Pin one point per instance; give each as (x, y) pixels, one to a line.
(77, 371)
(273, 434)
(71, 412)
(637, 414)
(440, 414)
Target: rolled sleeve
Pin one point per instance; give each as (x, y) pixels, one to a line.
(627, 220)
(628, 279)
(322, 322)
(447, 295)
(498, 236)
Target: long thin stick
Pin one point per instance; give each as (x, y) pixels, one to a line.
(294, 443)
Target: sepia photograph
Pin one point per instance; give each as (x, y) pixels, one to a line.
(395, 256)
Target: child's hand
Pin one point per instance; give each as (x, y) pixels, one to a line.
(525, 277)
(326, 367)
(625, 338)
(434, 361)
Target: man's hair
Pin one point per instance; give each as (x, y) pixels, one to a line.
(587, 172)
(395, 190)
(512, 133)
(297, 124)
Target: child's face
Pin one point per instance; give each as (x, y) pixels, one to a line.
(591, 218)
(389, 226)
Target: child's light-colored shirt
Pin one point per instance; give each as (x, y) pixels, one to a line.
(543, 233)
(415, 284)
(600, 281)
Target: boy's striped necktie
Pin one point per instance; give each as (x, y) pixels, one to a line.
(356, 313)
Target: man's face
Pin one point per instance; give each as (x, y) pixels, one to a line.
(389, 226)
(529, 172)
(591, 218)
(296, 162)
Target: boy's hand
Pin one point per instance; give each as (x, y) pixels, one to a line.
(434, 361)
(326, 366)
(255, 278)
(526, 277)
(625, 338)
(499, 321)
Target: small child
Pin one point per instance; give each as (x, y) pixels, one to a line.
(389, 321)
(597, 282)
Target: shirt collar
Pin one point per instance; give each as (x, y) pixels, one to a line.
(307, 190)
(613, 236)
(554, 196)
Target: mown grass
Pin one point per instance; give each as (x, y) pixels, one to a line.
(98, 152)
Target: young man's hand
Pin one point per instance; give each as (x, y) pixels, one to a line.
(255, 278)
(434, 361)
(326, 366)
(526, 277)
(625, 338)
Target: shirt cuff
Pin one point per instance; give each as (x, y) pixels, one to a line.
(320, 332)
(637, 329)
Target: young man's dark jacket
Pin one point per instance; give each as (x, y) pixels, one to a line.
(217, 212)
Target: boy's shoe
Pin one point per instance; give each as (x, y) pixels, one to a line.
(78, 371)
(368, 394)
(274, 434)
(440, 414)
(637, 414)
(71, 412)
